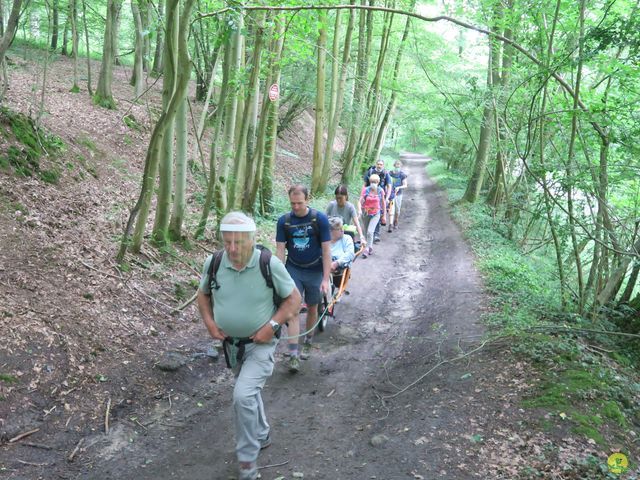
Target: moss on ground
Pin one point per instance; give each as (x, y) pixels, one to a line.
(31, 143)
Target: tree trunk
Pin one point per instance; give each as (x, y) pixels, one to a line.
(75, 41)
(316, 173)
(265, 182)
(55, 27)
(12, 27)
(157, 57)
(160, 233)
(348, 155)
(146, 19)
(168, 116)
(614, 282)
(231, 69)
(213, 154)
(631, 283)
(571, 161)
(86, 41)
(238, 189)
(104, 95)
(379, 143)
(137, 78)
(179, 200)
(337, 93)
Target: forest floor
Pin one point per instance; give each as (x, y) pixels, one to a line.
(401, 385)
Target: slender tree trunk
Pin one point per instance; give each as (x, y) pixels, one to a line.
(213, 155)
(137, 79)
(348, 155)
(631, 283)
(265, 182)
(1, 18)
(231, 66)
(12, 27)
(239, 189)
(318, 137)
(571, 161)
(157, 57)
(160, 234)
(104, 95)
(486, 127)
(86, 41)
(179, 200)
(168, 116)
(614, 282)
(55, 24)
(379, 142)
(146, 19)
(337, 93)
(75, 41)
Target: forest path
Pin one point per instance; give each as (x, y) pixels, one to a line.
(414, 303)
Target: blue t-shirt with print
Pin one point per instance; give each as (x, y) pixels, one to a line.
(396, 180)
(304, 248)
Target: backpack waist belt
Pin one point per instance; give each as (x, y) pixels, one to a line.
(305, 265)
(227, 347)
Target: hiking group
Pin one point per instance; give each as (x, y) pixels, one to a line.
(246, 294)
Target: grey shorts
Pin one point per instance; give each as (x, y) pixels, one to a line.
(307, 282)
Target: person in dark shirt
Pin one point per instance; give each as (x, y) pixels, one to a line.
(305, 236)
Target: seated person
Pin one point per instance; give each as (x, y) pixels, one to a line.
(342, 251)
(341, 207)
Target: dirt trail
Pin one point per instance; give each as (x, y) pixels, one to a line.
(415, 302)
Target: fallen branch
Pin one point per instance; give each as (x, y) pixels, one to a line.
(100, 271)
(23, 435)
(187, 303)
(34, 464)
(395, 278)
(75, 450)
(152, 298)
(583, 330)
(37, 445)
(274, 465)
(106, 417)
(436, 366)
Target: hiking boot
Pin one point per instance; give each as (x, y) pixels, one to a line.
(376, 239)
(370, 251)
(306, 351)
(294, 364)
(389, 229)
(250, 473)
(266, 443)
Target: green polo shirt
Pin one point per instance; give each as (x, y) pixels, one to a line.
(244, 303)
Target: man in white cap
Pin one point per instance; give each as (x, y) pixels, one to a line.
(239, 307)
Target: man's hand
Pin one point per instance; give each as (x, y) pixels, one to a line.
(264, 335)
(325, 288)
(216, 332)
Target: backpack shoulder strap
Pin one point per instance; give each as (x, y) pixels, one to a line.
(265, 269)
(287, 225)
(265, 264)
(214, 266)
(314, 223)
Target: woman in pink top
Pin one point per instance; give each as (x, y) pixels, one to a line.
(373, 206)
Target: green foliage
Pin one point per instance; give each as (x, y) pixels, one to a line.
(6, 378)
(103, 102)
(131, 122)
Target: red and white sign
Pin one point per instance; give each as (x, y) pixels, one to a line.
(274, 92)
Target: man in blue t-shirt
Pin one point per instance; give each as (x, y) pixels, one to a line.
(305, 235)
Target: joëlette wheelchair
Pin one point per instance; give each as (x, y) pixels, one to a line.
(339, 282)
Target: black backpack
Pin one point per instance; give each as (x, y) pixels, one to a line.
(383, 175)
(265, 269)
